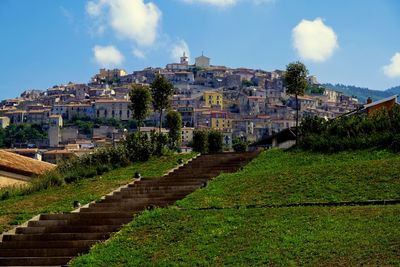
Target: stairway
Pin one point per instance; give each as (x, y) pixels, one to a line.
(55, 239)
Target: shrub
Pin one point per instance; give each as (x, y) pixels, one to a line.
(215, 141)
(200, 141)
(239, 146)
(378, 129)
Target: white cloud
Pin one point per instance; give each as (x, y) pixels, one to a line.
(226, 3)
(218, 3)
(130, 19)
(314, 40)
(139, 53)
(107, 56)
(178, 49)
(393, 69)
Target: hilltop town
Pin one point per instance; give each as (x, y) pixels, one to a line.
(242, 103)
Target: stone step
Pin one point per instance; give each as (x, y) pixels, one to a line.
(79, 221)
(99, 215)
(42, 252)
(68, 229)
(56, 236)
(47, 244)
(28, 261)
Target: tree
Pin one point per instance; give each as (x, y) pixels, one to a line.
(174, 124)
(295, 79)
(200, 141)
(161, 91)
(140, 103)
(215, 141)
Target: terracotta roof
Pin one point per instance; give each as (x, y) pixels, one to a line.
(15, 163)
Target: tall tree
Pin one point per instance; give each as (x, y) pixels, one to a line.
(295, 79)
(140, 103)
(161, 91)
(174, 124)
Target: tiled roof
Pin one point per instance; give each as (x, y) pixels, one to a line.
(15, 163)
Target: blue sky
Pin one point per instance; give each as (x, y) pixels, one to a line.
(50, 42)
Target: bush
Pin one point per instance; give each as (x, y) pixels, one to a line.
(200, 141)
(160, 142)
(239, 146)
(378, 129)
(215, 141)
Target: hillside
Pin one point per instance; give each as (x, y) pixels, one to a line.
(361, 93)
(245, 218)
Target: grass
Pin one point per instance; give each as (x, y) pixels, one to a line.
(254, 237)
(278, 177)
(18, 209)
(183, 235)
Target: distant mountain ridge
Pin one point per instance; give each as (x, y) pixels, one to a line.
(362, 93)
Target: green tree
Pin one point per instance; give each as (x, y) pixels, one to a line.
(200, 141)
(140, 103)
(174, 124)
(161, 91)
(215, 141)
(295, 79)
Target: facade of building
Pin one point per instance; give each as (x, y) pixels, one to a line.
(4, 122)
(202, 62)
(113, 109)
(213, 99)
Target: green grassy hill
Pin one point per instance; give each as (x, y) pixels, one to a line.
(228, 223)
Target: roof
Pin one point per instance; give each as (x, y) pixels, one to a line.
(18, 164)
(393, 97)
(112, 101)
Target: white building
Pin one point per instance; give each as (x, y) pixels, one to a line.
(202, 61)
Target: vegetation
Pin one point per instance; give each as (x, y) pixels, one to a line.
(87, 124)
(18, 208)
(295, 79)
(161, 92)
(140, 103)
(315, 89)
(229, 222)
(379, 129)
(210, 141)
(239, 145)
(247, 83)
(174, 124)
(21, 134)
(215, 141)
(200, 141)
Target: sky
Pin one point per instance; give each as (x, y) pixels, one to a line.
(49, 42)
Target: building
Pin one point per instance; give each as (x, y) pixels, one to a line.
(387, 103)
(17, 170)
(54, 131)
(213, 99)
(182, 66)
(113, 109)
(40, 116)
(187, 113)
(105, 75)
(16, 116)
(187, 135)
(4, 122)
(220, 121)
(202, 61)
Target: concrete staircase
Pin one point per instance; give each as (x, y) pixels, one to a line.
(55, 239)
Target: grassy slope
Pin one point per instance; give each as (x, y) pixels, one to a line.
(280, 177)
(60, 199)
(272, 236)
